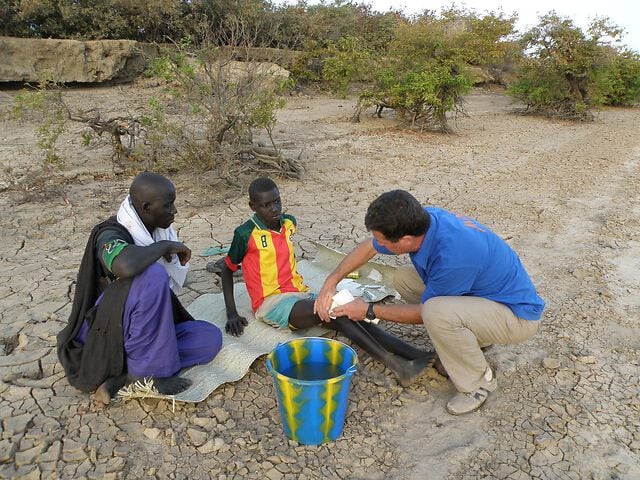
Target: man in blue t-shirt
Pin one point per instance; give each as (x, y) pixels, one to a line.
(465, 284)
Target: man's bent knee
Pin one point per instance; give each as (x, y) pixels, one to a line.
(154, 274)
(214, 337)
(408, 284)
(437, 311)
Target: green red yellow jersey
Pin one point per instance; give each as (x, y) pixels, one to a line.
(267, 259)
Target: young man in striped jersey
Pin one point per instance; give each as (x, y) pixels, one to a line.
(263, 248)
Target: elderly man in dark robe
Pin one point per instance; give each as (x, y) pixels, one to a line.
(126, 322)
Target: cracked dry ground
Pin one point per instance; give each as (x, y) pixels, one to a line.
(564, 195)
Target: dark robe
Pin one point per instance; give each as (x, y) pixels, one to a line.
(102, 355)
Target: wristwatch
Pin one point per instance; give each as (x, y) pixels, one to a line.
(370, 315)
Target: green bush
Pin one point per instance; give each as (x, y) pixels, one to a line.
(421, 75)
(620, 81)
(545, 90)
(346, 61)
(567, 72)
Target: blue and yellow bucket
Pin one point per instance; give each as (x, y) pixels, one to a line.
(312, 376)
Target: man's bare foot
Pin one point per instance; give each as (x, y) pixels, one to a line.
(171, 385)
(109, 388)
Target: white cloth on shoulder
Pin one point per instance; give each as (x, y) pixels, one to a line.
(129, 218)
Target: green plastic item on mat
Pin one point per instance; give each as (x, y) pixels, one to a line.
(214, 251)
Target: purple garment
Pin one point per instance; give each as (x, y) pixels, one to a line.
(153, 344)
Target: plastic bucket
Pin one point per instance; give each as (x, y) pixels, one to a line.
(312, 376)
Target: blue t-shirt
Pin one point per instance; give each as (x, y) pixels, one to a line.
(460, 256)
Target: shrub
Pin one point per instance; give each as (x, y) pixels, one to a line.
(567, 72)
(346, 61)
(46, 102)
(220, 105)
(619, 83)
(421, 76)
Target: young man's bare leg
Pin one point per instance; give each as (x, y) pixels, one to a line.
(395, 344)
(406, 371)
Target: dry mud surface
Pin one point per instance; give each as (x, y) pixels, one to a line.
(564, 195)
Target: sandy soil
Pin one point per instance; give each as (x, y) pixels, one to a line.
(564, 195)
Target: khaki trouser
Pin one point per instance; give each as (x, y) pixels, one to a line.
(460, 326)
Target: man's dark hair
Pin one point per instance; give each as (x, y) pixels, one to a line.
(261, 185)
(395, 214)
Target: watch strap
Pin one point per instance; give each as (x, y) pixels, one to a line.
(370, 313)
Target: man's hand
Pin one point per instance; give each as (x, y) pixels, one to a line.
(323, 301)
(355, 310)
(235, 325)
(180, 249)
(354, 260)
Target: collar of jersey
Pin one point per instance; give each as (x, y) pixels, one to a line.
(258, 223)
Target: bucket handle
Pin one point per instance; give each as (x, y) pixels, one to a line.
(352, 369)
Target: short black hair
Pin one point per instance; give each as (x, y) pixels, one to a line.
(261, 185)
(147, 185)
(395, 214)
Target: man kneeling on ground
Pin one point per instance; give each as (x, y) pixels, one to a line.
(126, 322)
(465, 284)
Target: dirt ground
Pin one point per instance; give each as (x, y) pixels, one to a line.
(564, 195)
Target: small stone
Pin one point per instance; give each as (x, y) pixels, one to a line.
(70, 457)
(53, 452)
(551, 363)
(543, 440)
(587, 359)
(198, 437)
(36, 434)
(71, 446)
(221, 414)
(48, 467)
(73, 451)
(83, 469)
(120, 451)
(17, 424)
(274, 474)
(27, 457)
(34, 474)
(207, 422)
(7, 450)
(504, 472)
(208, 447)
(152, 433)
(115, 464)
(98, 473)
(283, 468)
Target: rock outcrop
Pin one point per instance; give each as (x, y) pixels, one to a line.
(32, 60)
